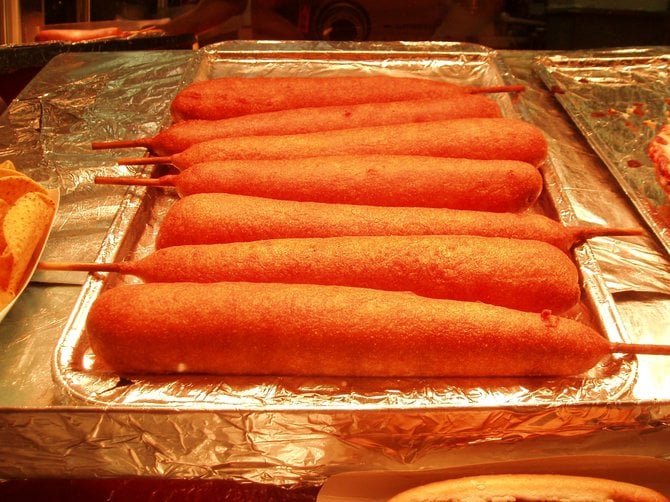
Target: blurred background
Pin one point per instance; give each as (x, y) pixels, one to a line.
(30, 29)
(504, 24)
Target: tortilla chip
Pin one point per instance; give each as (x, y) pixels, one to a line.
(4, 172)
(25, 226)
(7, 164)
(14, 187)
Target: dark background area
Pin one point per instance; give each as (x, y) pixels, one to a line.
(515, 24)
(498, 24)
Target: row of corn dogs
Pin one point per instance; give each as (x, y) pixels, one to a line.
(309, 254)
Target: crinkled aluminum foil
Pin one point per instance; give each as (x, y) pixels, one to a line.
(288, 430)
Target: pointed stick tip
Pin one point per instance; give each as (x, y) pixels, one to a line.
(640, 348)
(134, 180)
(130, 143)
(61, 266)
(583, 233)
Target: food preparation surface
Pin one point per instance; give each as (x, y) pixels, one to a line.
(288, 431)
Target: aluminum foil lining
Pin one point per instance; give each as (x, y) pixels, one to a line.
(619, 100)
(284, 430)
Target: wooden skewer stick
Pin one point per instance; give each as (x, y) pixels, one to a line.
(140, 161)
(68, 266)
(640, 348)
(163, 181)
(122, 143)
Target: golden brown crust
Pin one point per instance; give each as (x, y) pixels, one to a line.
(522, 274)
(528, 488)
(212, 218)
(234, 96)
(379, 180)
(283, 329)
(305, 119)
(474, 138)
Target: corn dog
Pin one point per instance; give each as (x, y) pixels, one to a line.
(530, 487)
(474, 138)
(181, 135)
(220, 218)
(233, 96)
(302, 329)
(521, 274)
(79, 35)
(382, 180)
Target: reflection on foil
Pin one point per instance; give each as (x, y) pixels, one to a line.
(647, 269)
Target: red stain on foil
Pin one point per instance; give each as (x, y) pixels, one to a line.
(638, 109)
(634, 163)
(611, 112)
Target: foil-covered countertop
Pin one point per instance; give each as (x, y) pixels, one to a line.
(82, 97)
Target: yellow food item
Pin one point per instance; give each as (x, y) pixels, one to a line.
(26, 212)
(24, 227)
(13, 187)
(7, 171)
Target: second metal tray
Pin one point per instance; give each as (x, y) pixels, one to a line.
(619, 99)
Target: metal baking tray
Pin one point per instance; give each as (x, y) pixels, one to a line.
(131, 236)
(619, 99)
